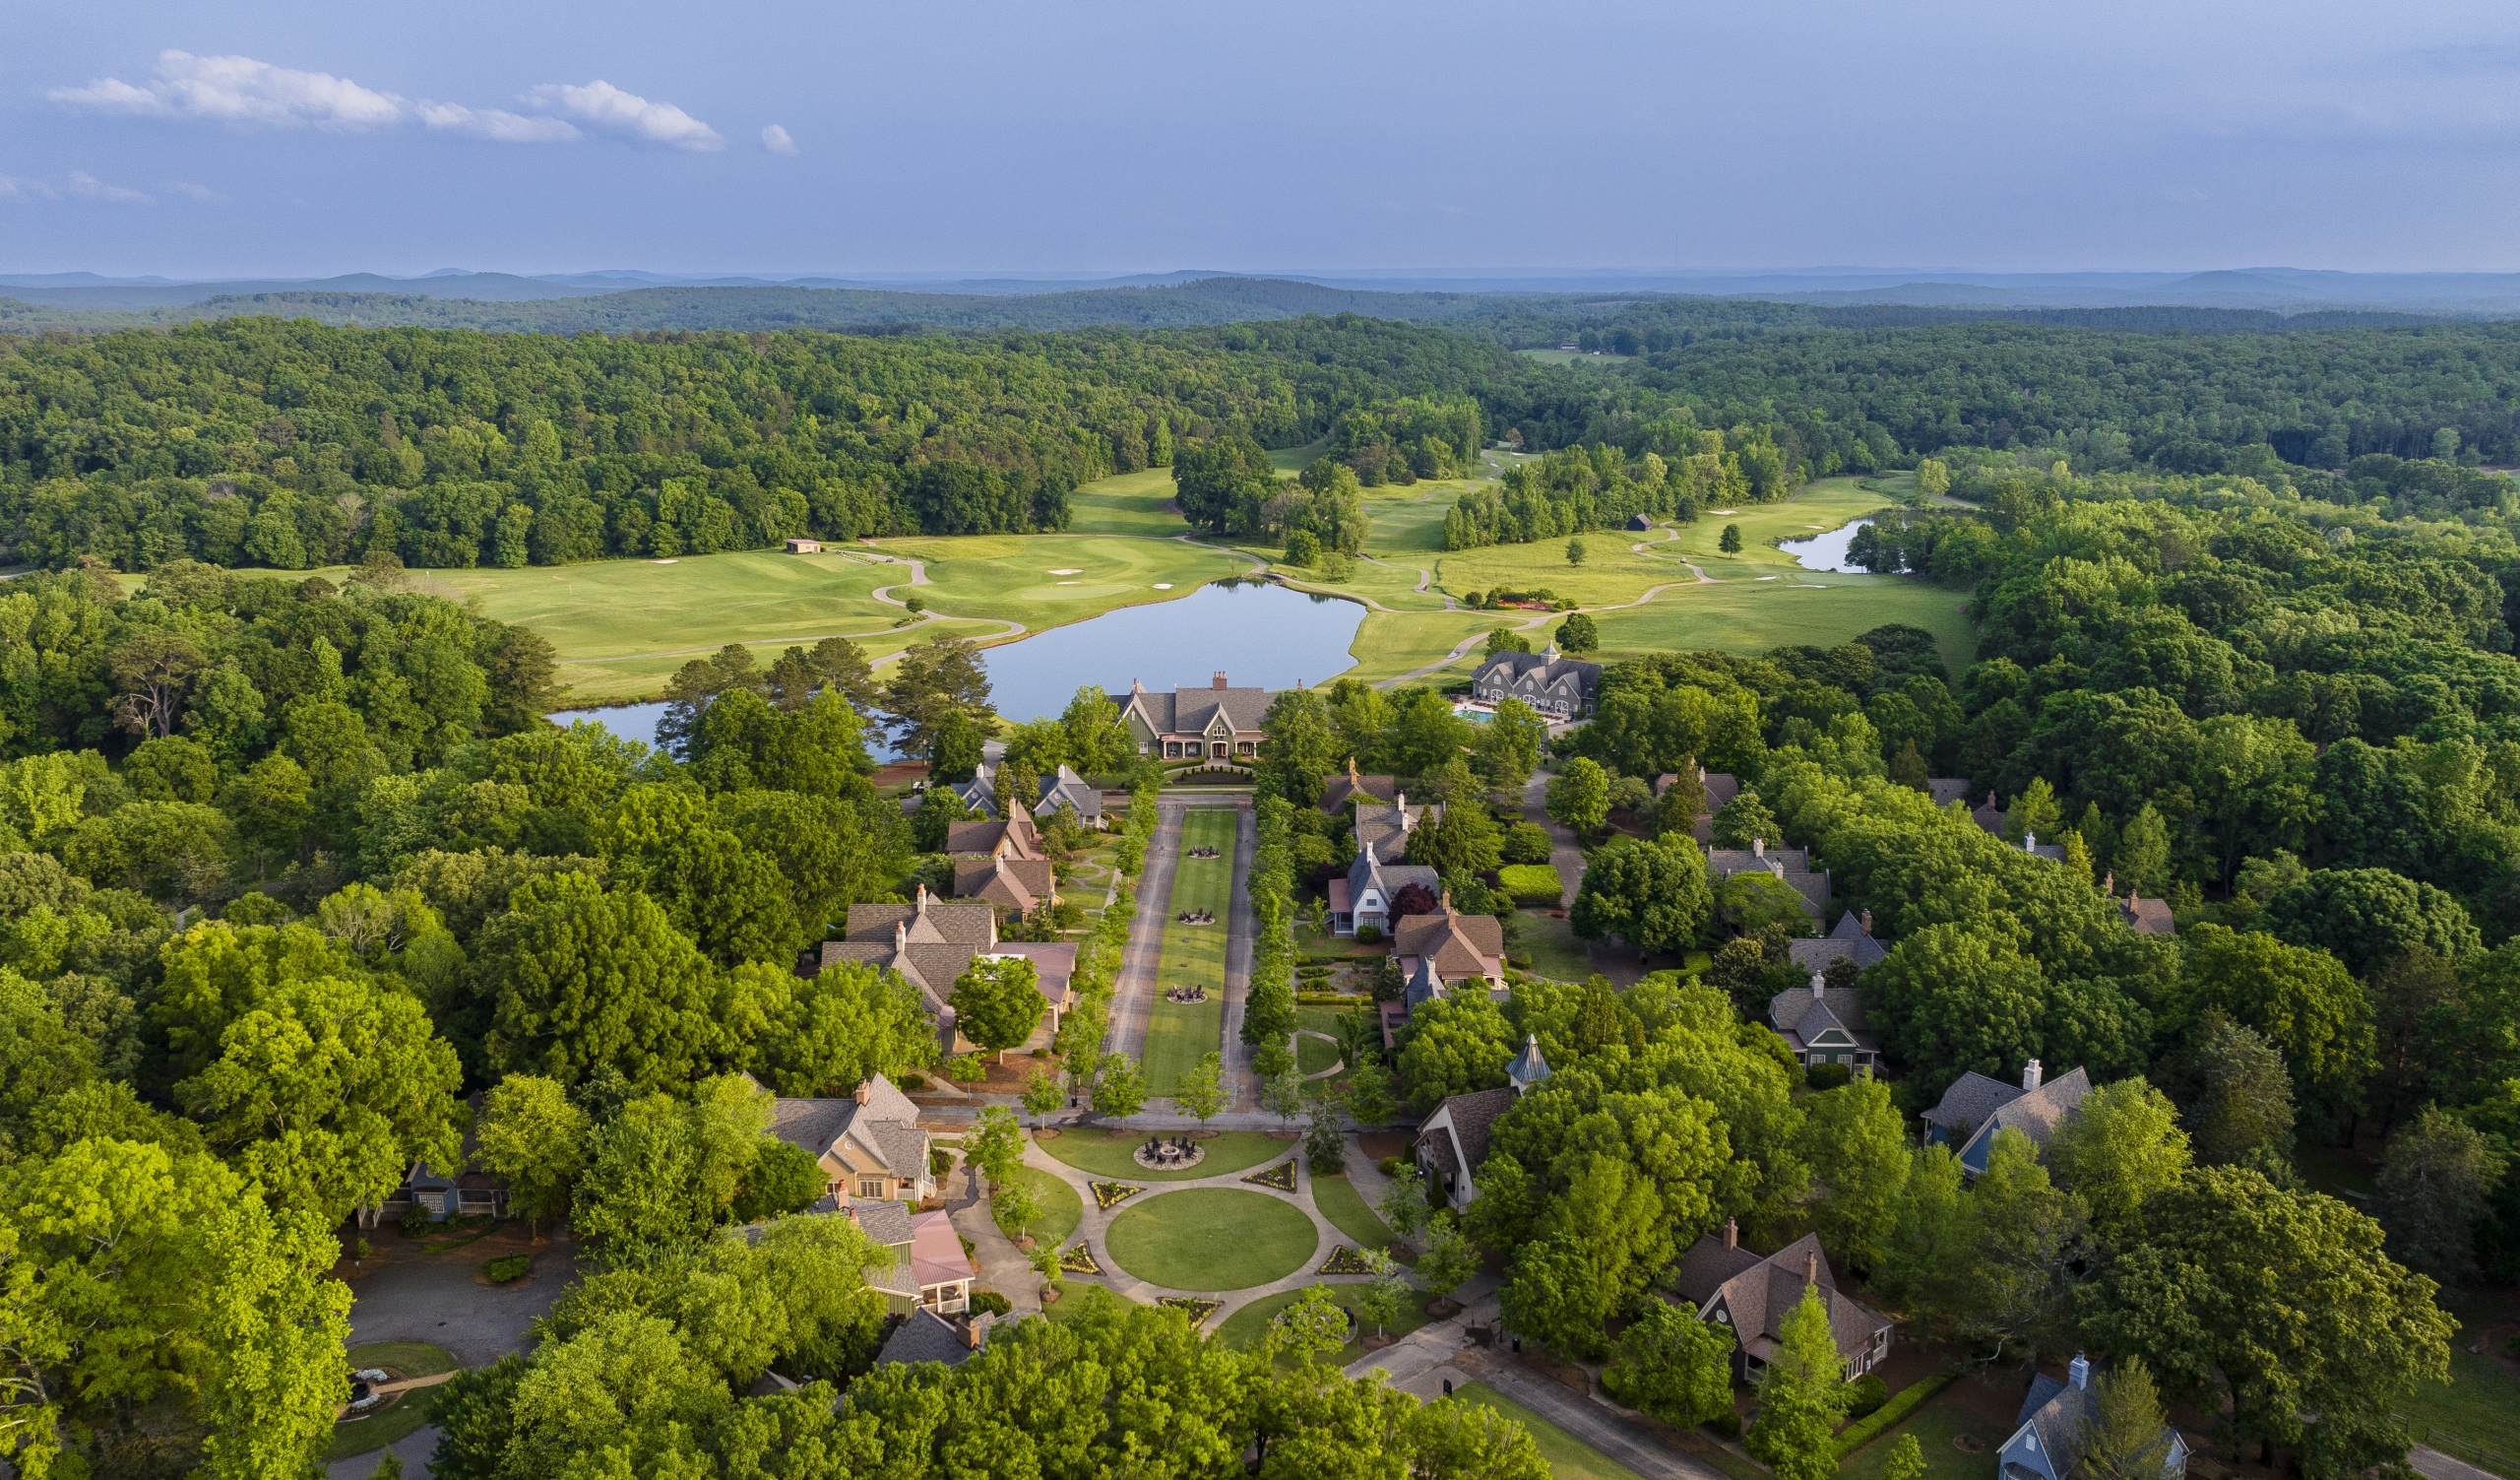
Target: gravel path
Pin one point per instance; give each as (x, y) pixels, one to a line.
(1242, 1086)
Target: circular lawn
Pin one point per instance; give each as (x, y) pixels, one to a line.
(1211, 1239)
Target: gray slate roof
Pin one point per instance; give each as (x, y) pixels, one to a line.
(1969, 1101)
(1187, 711)
(2035, 1112)
(1473, 1116)
(1540, 673)
(1387, 828)
(1807, 1015)
(887, 1124)
(925, 1337)
(1946, 790)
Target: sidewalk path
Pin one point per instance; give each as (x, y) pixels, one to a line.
(1589, 1421)
(1003, 1266)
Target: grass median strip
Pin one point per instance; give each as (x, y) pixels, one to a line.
(1179, 1034)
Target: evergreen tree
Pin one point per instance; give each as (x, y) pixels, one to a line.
(1801, 1396)
(2125, 1436)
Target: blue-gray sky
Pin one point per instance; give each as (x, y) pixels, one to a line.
(297, 139)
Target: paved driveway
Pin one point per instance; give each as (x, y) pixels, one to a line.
(435, 1299)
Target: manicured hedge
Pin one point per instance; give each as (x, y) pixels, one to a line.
(1533, 883)
(1904, 1401)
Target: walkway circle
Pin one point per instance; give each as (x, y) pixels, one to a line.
(1211, 1239)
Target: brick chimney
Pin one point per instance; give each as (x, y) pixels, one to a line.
(1867, 922)
(1731, 1234)
(1219, 681)
(1812, 1267)
(2030, 1074)
(864, 1093)
(976, 1329)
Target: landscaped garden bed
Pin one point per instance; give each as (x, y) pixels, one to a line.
(1282, 1176)
(1199, 1310)
(1111, 1195)
(1080, 1260)
(1344, 1260)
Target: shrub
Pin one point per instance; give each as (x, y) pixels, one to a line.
(990, 1303)
(1532, 884)
(1865, 1395)
(1725, 1425)
(1390, 1166)
(416, 1221)
(508, 1270)
(1883, 1419)
(1368, 934)
(1827, 1076)
(1527, 843)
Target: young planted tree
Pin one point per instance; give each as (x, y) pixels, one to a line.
(1446, 1260)
(1121, 1090)
(1042, 1094)
(1730, 540)
(1200, 1093)
(1403, 1204)
(1801, 1396)
(1284, 1097)
(1383, 1298)
(1906, 1459)
(995, 1146)
(1017, 1207)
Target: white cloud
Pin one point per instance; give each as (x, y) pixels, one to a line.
(83, 183)
(77, 183)
(241, 90)
(201, 193)
(608, 107)
(497, 125)
(775, 140)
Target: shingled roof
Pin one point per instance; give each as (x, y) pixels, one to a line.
(884, 1121)
(1791, 864)
(1006, 882)
(1189, 711)
(1457, 945)
(1852, 940)
(926, 1336)
(1386, 828)
(1803, 1014)
(1758, 1293)
(1342, 788)
(1473, 1116)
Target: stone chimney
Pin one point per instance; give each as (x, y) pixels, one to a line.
(1218, 681)
(901, 937)
(2029, 842)
(2108, 883)
(1867, 922)
(1812, 1267)
(2032, 1075)
(975, 1329)
(1731, 1234)
(2080, 1371)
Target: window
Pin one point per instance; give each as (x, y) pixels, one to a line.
(871, 1187)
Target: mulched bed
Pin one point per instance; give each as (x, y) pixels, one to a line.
(1080, 1260)
(1200, 1310)
(1344, 1260)
(1111, 1195)
(1282, 1176)
(1382, 1145)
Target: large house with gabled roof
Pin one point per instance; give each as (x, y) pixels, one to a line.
(1752, 1294)
(1557, 686)
(929, 941)
(1792, 866)
(2055, 1420)
(1363, 898)
(870, 1144)
(1216, 722)
(1824, 1024)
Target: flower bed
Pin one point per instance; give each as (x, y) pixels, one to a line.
(1199, 1310)
(1344, 1260)
(1282, 1176)
(1080, 1260)
(1111, 1195)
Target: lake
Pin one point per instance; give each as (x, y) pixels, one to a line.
(1260, 634)
(1826, 551)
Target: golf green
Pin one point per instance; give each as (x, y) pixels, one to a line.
(1211, 1239)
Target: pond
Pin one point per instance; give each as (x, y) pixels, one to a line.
(1260, 634)
(1826, 551)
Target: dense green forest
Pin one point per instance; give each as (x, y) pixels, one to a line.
(290, 445)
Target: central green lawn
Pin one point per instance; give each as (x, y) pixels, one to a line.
(1107, 1155)
(1569, 1458)
(1247, 1327)
(1313, 1054)
(1062, 1207)
(1210, 1239)
(1348, 1212)
(1178, 1036)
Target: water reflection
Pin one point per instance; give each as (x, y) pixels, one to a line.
(1826, 551)
(1258, 633)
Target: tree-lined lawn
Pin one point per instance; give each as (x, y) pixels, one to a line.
(1211, 1239)
(1106, 1154)
(1178, 1035)
(1249, 1327)
(1062, 1207)
(1569, 1458)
